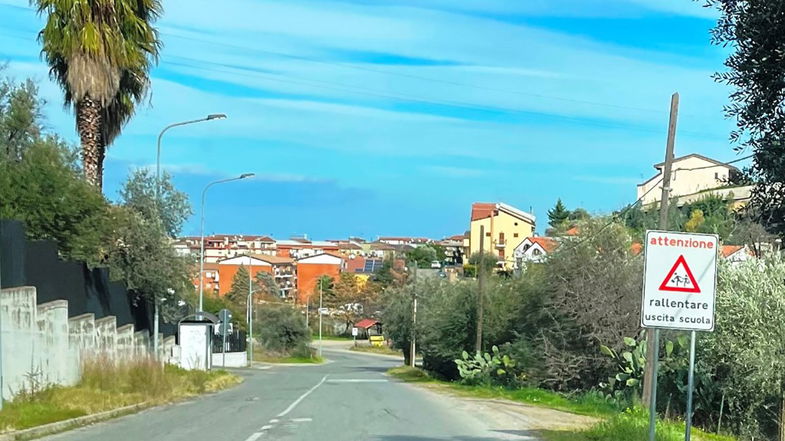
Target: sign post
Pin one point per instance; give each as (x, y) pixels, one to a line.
(355, 331)
(679, 285)
(226, 316)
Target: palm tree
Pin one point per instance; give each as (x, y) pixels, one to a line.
(100, 52)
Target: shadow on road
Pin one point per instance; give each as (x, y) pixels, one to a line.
(379, 369)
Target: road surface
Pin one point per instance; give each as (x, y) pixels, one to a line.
(347, 399)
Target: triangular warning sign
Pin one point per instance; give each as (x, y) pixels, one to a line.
(680, 278)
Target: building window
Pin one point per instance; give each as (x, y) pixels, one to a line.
(516, 224)
(716, 175)
(487, 234)
(515, 235)
(501, 254)
(536, 252)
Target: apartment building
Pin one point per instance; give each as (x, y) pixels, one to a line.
(504, 226)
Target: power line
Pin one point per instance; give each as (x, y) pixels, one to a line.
(252, 73)
(408, 75)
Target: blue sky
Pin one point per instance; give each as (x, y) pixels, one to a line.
(385, 117)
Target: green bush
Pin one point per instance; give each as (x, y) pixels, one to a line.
(281, 329)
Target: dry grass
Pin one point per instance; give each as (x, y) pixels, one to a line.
(384, 350)
(106, 385)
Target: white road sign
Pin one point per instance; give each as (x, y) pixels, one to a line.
(355, 332)
(679, 281)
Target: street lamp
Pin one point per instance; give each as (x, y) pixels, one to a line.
(250, 322)
(201, 234)
(209, 117)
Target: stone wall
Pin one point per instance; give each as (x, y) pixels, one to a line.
(41, 345)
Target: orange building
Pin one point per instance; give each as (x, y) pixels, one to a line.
(281, 268)
(310, 269)
(228, 268)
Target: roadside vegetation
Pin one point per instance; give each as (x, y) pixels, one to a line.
(282, 336)
(383, 350)
(570, 326)
(106, 386)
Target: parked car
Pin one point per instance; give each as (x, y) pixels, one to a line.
(436, 264)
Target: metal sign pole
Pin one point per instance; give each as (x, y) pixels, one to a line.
(223, 348)
(655, 364)
(690, 387)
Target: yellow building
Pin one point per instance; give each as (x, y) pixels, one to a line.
(504, 226)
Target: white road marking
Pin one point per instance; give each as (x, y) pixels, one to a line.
(302, 397)
(274, 420)
(357, 380)
(254, 437)
(266, 427)
(301, 420)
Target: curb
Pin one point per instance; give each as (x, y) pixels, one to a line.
(61, 426)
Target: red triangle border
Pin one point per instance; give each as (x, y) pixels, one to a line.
(695, 288)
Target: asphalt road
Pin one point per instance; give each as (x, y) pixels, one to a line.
(347, 399)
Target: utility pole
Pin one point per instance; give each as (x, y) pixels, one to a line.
(412, 346)
(320, 316)
(1, 333)
(250, 313)
(480, 286)
(653, 335)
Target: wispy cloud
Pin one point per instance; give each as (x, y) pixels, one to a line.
(611, 180)
(332, 102)
(454, 172)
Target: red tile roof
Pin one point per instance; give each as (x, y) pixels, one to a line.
(574, 231)
(365, 323)
(481, 210)
(547, 243)
(728, 250)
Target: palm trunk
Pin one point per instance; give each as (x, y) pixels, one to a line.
(89, 124)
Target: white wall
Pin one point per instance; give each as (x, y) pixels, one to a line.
(233, 360)
(685, 182)
(41, 345)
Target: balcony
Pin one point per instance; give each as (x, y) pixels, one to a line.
(501, 244)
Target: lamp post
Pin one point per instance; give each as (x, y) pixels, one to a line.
(209, 117)
(251, 292)
(320, 317)
(201, 234)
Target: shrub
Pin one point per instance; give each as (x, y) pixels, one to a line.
(282, 329)
(489, 369)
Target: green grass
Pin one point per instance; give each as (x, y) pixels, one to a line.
(617, 424)
(586, 404)
(105, 386)
(384, 350)
(332, 337)
(630, 425)
(410, 374)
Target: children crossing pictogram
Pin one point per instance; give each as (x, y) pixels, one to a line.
(680, 278)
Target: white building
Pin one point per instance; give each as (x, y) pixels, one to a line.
(534, 249)
(693, 177)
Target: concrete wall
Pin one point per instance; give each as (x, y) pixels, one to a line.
(233, 360)
(42, 346)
